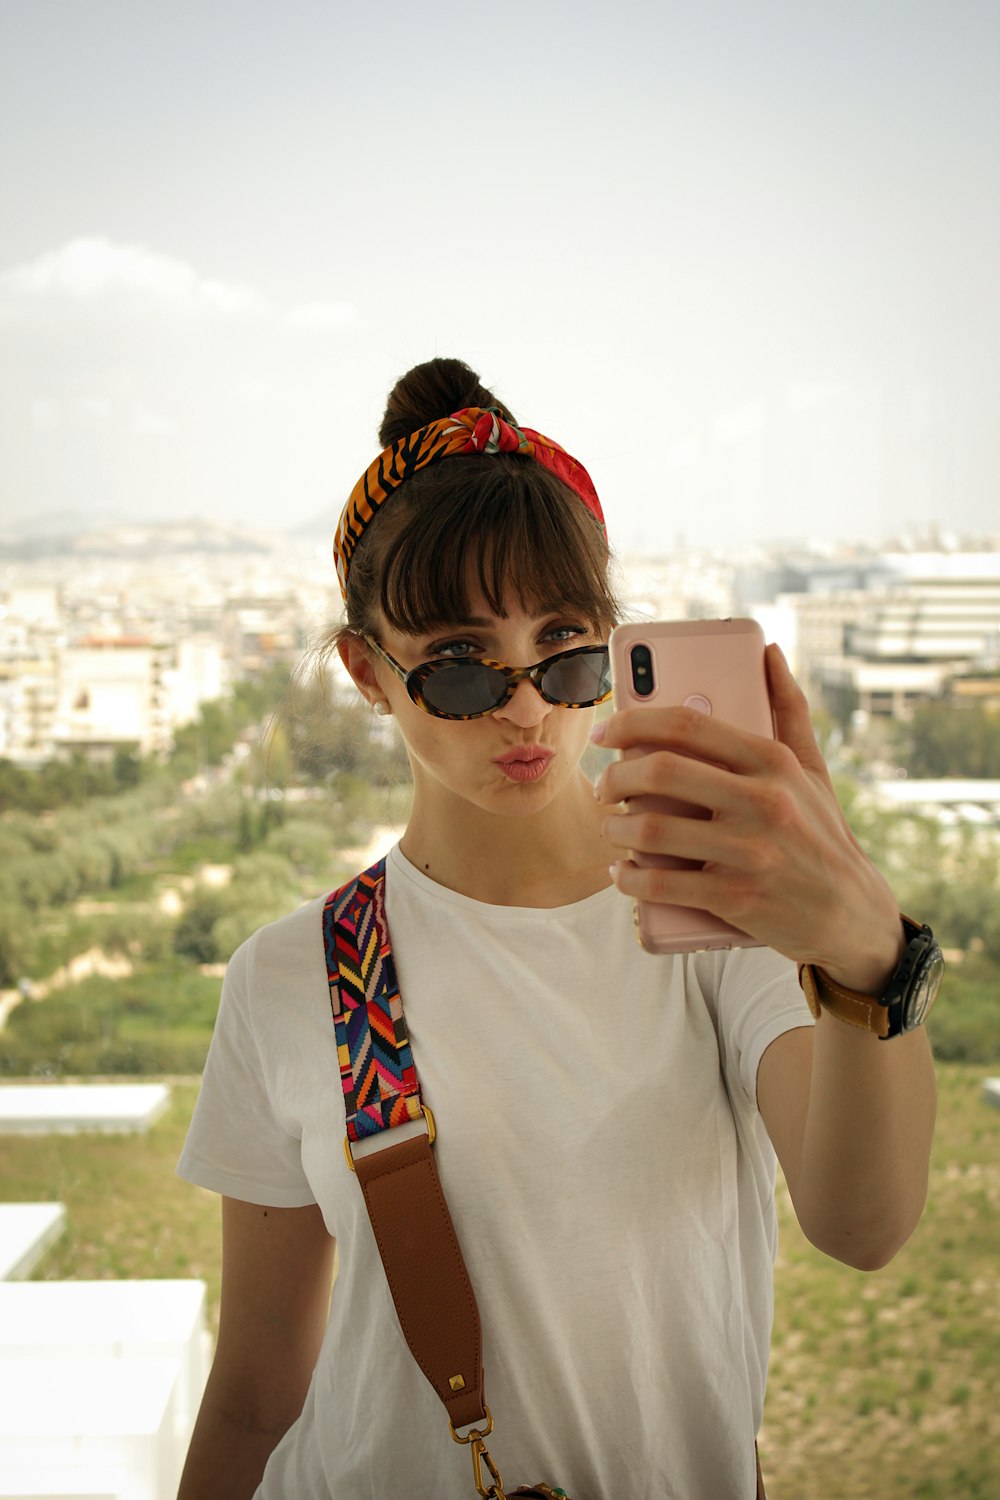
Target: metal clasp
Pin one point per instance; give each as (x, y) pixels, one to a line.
(480, 1456)
(496, 1489)
(431, 1135)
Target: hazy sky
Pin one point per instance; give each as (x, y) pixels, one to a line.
(742, 259)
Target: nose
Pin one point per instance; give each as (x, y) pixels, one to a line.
(525, 707)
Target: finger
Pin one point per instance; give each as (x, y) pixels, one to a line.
(679, 778)
(790, 707)
(687, 731)
(665, 887)
(693, 838)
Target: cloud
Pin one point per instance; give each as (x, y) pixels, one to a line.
(803, 395)
(93, 270)
(99, 273)
(684, 452)
(149, 423)
(741, 422)
(320, 317)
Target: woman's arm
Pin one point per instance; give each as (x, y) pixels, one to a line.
(277, 1271)
(850, 1116)
(851, 1119)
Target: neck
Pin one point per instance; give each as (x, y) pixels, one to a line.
(550, 858)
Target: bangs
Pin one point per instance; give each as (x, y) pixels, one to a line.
(502, 528)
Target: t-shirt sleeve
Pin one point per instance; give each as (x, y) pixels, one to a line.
(759, 999)
(235, 1144)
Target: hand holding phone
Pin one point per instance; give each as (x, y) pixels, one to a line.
(715, 667)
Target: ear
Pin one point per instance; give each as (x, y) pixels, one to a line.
(356, 658)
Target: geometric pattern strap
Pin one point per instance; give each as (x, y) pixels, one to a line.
(377, 1074)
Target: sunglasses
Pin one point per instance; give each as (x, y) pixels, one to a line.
(468, 689)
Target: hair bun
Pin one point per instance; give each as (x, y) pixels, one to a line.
(429, 391)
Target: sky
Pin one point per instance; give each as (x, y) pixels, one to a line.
(741, 259)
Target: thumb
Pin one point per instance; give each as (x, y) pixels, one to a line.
(792, 723)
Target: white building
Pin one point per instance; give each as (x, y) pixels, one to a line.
(112, 696)
(936, 617)
(200, 674)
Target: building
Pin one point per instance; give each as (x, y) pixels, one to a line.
(112, 696)
(927, 623)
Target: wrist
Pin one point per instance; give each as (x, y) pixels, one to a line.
(903, 1001)
(870, 973)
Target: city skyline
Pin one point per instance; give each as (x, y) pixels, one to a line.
(741, 263)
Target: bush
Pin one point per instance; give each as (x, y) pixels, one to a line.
(194, 935)
(159, 1020)
(963, 1025)
(14, 946)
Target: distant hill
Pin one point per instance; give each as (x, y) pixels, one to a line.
(67, 533)
(319, 526)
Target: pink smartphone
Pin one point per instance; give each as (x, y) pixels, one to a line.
(717, 667)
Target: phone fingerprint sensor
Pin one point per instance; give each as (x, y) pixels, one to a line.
(698, 701)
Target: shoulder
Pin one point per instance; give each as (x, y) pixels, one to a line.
(283, 952)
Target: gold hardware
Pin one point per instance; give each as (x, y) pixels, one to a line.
(457, 1382)
(481, 1454)
(431, 1135)
(496, 1489)
(476, 1431)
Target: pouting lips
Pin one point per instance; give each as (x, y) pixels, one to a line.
(520, 754)
(525, 762)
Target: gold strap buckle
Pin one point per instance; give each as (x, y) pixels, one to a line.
(431, 1134)
(480, 1456)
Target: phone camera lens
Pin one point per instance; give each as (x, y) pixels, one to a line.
(641, 663)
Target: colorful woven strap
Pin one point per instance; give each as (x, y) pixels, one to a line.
(376, 1065)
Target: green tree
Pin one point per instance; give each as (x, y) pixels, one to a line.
(194, 936)
(943, 739)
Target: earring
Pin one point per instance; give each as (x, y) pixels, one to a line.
(382, 709)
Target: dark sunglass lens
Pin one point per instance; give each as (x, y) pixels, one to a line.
(579, 679)
(461, 688)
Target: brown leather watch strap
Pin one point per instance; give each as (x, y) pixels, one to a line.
(866, 1011)
(847, 1005)
(426, 1273)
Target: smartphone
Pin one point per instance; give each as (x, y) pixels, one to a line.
(717, 667)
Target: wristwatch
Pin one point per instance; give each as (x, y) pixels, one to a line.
(906, 1000)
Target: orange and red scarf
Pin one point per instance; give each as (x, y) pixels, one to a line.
(474, 430)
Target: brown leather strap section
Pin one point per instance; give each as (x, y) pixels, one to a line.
(426, 1273)
(847, 1005)
(760, 1478)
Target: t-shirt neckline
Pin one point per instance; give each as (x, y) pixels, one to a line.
(401, 867)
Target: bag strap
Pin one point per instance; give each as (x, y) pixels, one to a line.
(414, 1232)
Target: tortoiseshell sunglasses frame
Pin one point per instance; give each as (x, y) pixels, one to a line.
(414, 678)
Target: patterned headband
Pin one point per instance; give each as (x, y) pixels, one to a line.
(474, 430)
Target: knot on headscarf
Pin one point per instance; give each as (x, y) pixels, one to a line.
(474, 430)
(491, 432)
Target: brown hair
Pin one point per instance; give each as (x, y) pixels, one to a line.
(502, 522)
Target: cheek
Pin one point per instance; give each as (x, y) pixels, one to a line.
(435, 742)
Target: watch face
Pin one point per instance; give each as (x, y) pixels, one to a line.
(923, 988)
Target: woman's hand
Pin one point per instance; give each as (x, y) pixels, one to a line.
(779, 860)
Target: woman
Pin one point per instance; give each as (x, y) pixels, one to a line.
(607, 1120)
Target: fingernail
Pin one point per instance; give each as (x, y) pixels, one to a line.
(597, 733)
(613, 871)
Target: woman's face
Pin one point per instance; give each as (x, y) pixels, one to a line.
(520, 757)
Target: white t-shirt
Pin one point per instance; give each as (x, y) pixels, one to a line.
(605, 1164)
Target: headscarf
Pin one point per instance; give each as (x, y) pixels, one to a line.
(474, 430)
